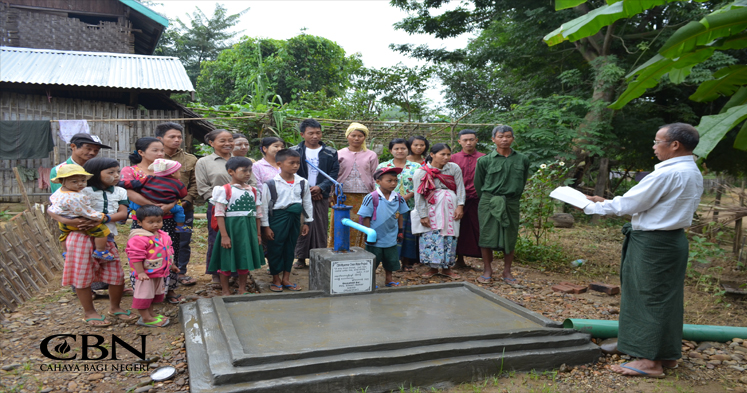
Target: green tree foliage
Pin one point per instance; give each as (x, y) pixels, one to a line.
(723, 29)
(294, 67)
(400, 86)
(508, 68)
(200, 39)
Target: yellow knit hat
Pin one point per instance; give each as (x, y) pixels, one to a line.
(358, 127)
(67, 170)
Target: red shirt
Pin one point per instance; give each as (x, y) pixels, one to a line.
(468, 163)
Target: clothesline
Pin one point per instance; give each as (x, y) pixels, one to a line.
(177, 119)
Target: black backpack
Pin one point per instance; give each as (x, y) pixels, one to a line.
(274, 196)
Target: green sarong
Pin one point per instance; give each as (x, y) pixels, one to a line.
(499, 222)
(652, 278)
(245, 252)
(286, 225)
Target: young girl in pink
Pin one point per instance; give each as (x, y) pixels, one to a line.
(150, 254)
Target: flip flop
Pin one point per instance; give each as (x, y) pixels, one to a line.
(428, 274)
(299, 266)
(293, 287)
(273, 286)
(641, 373)
(103, 319)
(408, 268)
(187, 281)
(155, 323)
(176, 299)
(452, 275)
(506, 279)
(129, 315)
(392, 284)
(485, 280)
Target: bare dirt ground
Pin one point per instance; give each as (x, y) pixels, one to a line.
(705, 367)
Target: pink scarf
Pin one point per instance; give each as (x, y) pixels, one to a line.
(427, 186)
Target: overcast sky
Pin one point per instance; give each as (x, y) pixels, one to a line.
(364, 27)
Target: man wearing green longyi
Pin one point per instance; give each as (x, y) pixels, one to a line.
(500, 178)
(655, 253)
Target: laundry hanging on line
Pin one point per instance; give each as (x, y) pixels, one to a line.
(68, 128)
(25, 139)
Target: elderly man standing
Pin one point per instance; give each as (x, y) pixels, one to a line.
(655, 252)
(500, 178)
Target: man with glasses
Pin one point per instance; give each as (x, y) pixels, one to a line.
(655, 252)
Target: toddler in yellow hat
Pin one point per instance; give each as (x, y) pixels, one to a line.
(69, 202)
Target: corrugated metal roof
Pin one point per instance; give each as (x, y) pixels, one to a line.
(100, 69)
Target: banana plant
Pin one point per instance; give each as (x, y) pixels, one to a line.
(692, 44)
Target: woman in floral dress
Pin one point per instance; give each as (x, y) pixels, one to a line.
(409, 253)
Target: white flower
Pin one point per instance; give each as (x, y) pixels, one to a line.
(543, 166)
(561, 163)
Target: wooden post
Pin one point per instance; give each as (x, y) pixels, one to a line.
(23, 188)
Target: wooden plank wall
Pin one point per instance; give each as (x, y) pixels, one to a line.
(121, 136)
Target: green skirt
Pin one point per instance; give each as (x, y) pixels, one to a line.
(245, 253)
(652, 278)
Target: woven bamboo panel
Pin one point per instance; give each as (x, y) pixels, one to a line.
(30, 255)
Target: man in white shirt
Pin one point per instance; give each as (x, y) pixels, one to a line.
(655, 253)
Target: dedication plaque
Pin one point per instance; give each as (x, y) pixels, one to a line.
(350, 276)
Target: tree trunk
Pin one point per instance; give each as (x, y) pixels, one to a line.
(601, 186)
(598, 117)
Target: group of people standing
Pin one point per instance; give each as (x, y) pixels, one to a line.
(436, 190)
(426, 204)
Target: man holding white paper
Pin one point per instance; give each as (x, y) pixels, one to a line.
(655, 252)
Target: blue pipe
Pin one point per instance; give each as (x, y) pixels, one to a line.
(370, 233)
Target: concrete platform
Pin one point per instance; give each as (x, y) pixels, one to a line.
(416, 335)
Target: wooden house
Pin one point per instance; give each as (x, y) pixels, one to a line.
(92, 60)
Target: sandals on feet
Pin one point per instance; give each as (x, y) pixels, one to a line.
(299, 266)
(102, 319)
(154, 324)
(276, 288)
(484, 279)
(175, 299)
(103, 255)
(451, 275)
(428, 274)
(187, 281)
(641, 373)
(392, 284)
(127, 314)
(293, 287)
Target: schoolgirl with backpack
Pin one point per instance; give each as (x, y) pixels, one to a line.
(236, 205)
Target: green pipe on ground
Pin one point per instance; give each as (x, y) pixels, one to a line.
(608, 329)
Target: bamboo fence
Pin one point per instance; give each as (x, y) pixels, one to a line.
(30, 255)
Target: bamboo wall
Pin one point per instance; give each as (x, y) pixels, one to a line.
(121, 136)
(21, 28)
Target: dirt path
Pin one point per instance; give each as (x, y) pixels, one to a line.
(56, 311)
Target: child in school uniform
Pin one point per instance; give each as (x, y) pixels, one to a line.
(239, 236)
(150, 253)
(286, 197)
(379, 212)
(70, 202)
